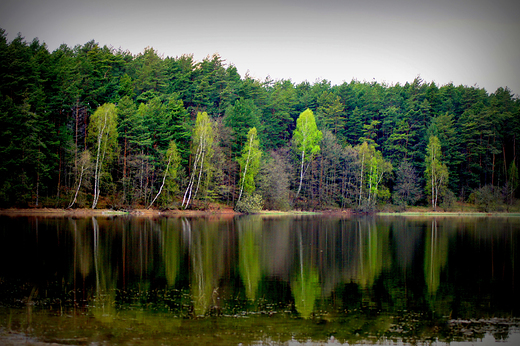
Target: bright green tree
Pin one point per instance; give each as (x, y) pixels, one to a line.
(249, 163)
(307, 138)
(102, 133)
(436, 172)
(202, 151)
(373, 169)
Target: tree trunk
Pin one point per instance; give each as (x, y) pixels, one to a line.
(79, 186)
(98, 165)
(164, 179)
(361, 179)
(301, 173)
(245, 168)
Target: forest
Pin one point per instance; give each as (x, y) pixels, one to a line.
(97, 127)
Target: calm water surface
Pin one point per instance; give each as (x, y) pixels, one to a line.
(259, 280)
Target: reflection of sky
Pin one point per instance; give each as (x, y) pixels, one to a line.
(512, 340)
(488, 340)
(465, 41)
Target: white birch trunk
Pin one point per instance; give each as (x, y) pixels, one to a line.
(163, 181)
(245, 168)
(301, 173)
(187, 194)
(361, 179)
(98, 165)
(79, 185)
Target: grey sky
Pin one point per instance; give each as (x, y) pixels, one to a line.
(469, 42)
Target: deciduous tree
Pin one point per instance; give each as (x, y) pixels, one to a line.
(202, 150)
(436, 172)
(249, 163)
(307, 138)
(102, 133)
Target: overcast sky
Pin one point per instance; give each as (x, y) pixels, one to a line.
(469, 42)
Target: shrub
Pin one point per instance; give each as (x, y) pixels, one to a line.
(487, 198)
(448, 200)
(250, 204)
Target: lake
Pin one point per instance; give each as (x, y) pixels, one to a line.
(258, 280)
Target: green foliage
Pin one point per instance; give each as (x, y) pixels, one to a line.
(448, 200)
(48, 102)
(102, 134)
(250, 204)
(241, 117)
(202, 152)
(249, 163)
(180, 125)
(277, 120)
(487, 198)
(307, 139)
(374, 168)
(436, 172)
(307, 136)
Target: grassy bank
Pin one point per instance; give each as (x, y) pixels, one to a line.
(444, 214)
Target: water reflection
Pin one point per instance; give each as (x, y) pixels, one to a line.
(410, 279)
(249, 238)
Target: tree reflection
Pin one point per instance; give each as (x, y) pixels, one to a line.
(435, 257)
(305, 285)
(103, 307)
(171, 251)
(374, 254)
(249, 235)
(206, 265)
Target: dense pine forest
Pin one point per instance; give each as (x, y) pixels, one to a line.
(96, 127)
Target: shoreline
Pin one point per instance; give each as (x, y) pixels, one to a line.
(229, 212)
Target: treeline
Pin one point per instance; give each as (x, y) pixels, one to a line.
(90, 126)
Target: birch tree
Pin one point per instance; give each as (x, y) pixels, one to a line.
(373, 169)
(102, 133)
(85, 162)
(307, 138)
(436, 172)
(249, 163)
(378, 166)
(173, 160)
(202, 150)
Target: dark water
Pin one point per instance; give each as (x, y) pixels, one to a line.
(252, 280)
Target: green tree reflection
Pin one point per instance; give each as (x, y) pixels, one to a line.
(249, 233)
(206, 265)
(435, 257)
(171, 250)
(374, 253)
(305, 285)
